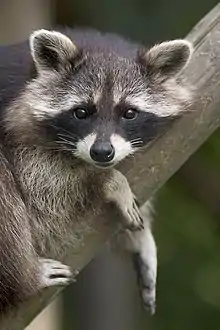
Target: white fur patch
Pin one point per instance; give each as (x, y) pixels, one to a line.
(117, 95)
(97, 96)
(45, 105)
(145, 103)
(122, 147)
(83, 147)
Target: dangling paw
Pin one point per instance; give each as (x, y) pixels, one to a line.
(147, 282)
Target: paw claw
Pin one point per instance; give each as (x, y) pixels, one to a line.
(53, 272)
(136, 201)
(134, 221)
(142, 226)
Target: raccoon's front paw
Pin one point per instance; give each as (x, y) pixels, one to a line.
(132, 215)
(147, 282)
(53, 272)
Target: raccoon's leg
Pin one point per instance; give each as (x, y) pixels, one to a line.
(117, 190)
(144, 253)
(20, 270)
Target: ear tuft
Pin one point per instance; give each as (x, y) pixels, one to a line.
(165, 60)
(51, 49)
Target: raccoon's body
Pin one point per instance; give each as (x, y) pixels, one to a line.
(70, 111)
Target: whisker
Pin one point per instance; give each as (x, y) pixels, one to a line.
(64, 148)
(65, 141)
(67, 132)
(71, 137)
(67, 149)
(54, 149)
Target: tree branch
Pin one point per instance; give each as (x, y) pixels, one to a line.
(151, 168)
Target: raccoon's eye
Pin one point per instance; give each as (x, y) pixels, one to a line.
(130, 114)
(80, 113)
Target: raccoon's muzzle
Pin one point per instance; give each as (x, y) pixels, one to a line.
(102, 152)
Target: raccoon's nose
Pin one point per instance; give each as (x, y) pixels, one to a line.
(102, 152)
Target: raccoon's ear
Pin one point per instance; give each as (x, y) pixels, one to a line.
(51, 50)
(165, 60)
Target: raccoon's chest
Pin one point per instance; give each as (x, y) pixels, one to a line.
(60, 197)
(57, 214)
(57, 194)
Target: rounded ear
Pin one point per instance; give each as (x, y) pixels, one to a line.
(51, 49)
(165, 60)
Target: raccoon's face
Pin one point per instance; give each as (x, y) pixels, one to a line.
(99, 106)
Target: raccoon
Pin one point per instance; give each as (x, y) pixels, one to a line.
(73, 104)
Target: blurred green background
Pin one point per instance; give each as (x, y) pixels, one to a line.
(187, 226)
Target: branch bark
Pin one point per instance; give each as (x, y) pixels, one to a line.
(150, 169)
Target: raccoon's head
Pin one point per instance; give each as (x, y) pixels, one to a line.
(98, 105)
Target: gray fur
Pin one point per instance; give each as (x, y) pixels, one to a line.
(54, 180)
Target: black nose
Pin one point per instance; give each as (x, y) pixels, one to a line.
(102, 152)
